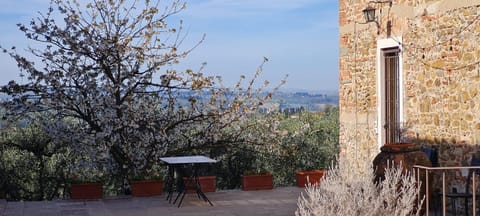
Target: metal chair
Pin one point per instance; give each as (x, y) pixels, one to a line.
(432, 155)
(467, 194)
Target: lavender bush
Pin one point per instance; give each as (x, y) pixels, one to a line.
(349, 189)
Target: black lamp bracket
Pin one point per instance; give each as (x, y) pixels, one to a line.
(369, 12)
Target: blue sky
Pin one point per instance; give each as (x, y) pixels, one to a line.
(300, 38)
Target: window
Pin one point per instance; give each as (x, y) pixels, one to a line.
(391, 71)
(389, 91)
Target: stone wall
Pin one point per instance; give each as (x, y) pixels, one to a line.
(441, 75)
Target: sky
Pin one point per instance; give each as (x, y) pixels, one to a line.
(299, 37)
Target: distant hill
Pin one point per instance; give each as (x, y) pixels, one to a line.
(282, 100)
(305, 100)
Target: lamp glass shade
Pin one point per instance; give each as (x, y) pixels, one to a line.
(369, 14)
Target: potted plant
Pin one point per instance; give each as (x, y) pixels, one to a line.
(85, 181)
(309, 176)
(207, 183)
(309, 164)
(148, 183)
(82, 187)
(255, 175)
(203, 173)
(257, 180)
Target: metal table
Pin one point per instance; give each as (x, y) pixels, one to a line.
(179, 163)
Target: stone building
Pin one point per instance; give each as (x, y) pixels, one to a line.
(411, 75)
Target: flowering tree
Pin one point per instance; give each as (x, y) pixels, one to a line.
(106, 69)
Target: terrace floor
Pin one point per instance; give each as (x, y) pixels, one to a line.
(276, 202)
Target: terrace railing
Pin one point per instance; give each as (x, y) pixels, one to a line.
(436, 172)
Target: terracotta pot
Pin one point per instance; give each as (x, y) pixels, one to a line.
(142, 188)
(207, 184)
(408, 154)
(312, 176)
(86, 191)
(257, 182)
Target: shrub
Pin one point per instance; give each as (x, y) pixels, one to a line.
(349, 189)
(307, 142)
(32, 164)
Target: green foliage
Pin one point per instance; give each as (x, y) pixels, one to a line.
(86, 174)
(156, 172)
(306, 141)
(33, 167)
(309, 141)
(232, 164)
(319, 144)
(288, 145)
(255, 171)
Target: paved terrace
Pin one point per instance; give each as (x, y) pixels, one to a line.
(276, 202)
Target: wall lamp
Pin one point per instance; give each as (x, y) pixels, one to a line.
(369, 12)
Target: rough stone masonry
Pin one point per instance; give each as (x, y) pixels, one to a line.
(439, 75)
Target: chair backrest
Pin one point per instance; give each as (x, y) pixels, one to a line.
(475, 162)
(432, 155)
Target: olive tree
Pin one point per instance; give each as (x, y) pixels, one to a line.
(33, 165)
(107, 68)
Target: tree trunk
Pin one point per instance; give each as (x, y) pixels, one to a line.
(123, 165)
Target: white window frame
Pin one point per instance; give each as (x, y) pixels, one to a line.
(394, 42)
